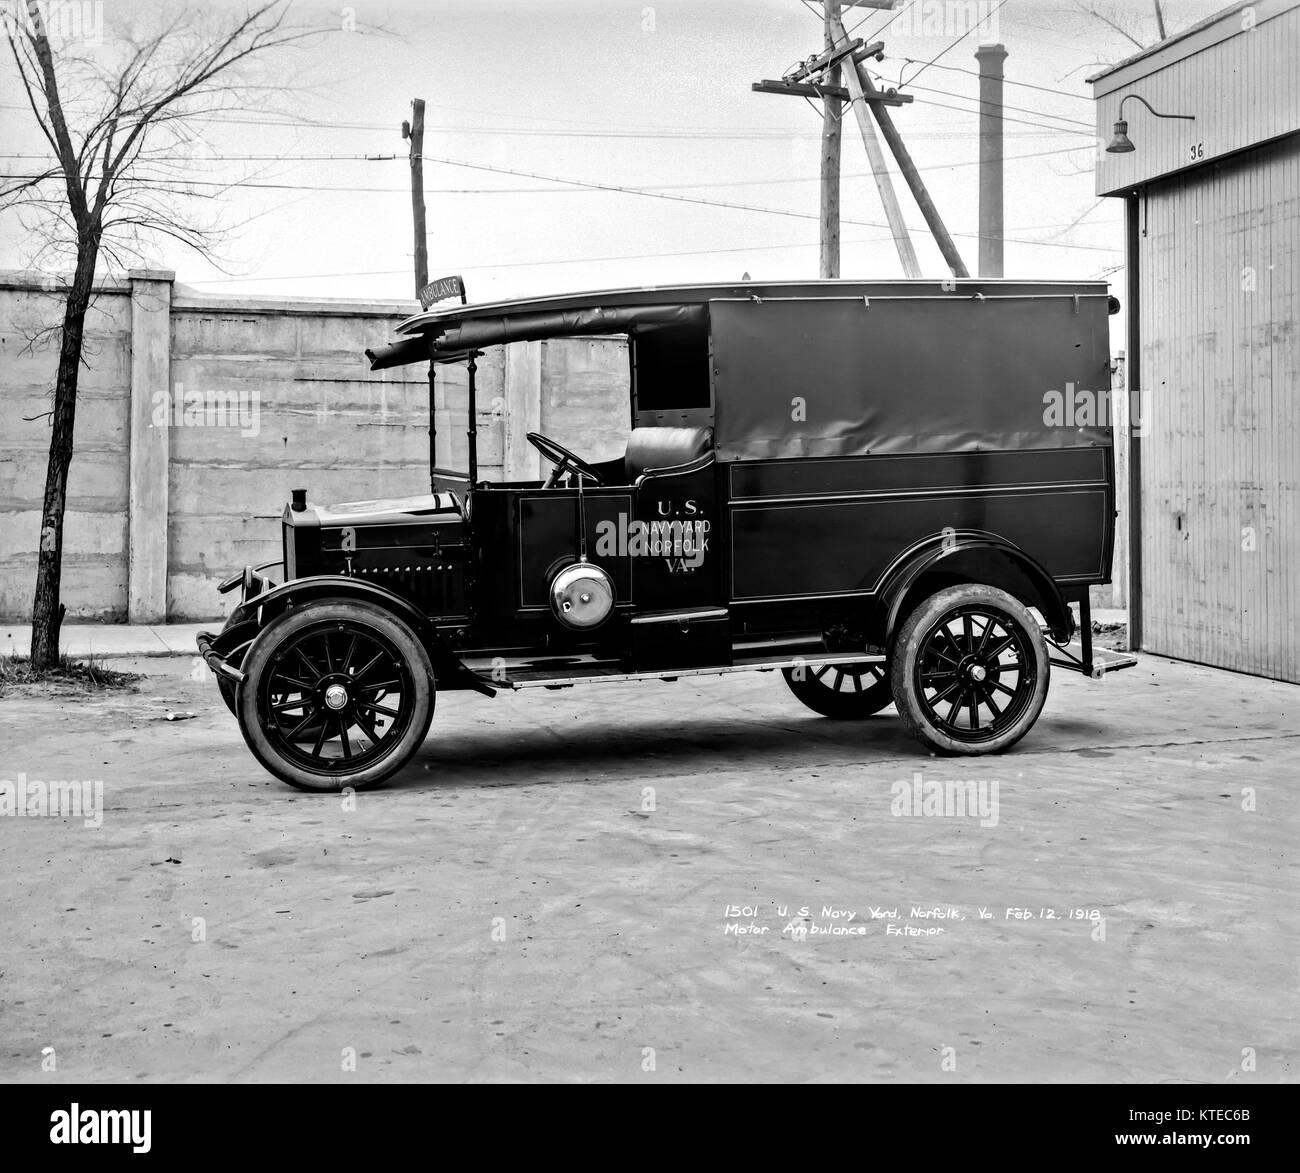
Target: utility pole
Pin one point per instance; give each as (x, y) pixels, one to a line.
(811, 79)
(904, 160)
(830, 172)
(414, 130)
(990, 58)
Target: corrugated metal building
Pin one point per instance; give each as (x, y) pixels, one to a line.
(1213, 296)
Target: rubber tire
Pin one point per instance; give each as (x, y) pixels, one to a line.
(906, 646)
(840, 706)
(259, 656)
(230, 690)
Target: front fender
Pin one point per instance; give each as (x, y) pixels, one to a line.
(261, 608)
(972, 556)
(269, 604)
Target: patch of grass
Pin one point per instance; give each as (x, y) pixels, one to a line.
(89, 675)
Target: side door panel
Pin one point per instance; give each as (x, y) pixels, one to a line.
(676, 543)
(547, 534)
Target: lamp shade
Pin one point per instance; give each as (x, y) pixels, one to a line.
(1120, 144)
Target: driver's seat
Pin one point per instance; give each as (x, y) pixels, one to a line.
(655, 448)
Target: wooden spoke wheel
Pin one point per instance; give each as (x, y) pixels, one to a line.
(970, 670)
(337, 694)
(843, 692)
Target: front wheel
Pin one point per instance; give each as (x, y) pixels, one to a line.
(970, 670)
(843, 692)
(336, 694)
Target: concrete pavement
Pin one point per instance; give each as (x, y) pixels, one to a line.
(644, 882)
(112, 640)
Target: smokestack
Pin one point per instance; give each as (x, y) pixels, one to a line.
(990, 58)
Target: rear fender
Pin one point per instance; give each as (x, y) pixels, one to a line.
(971, 556)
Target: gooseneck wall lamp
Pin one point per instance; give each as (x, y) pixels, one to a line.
(1121, 144)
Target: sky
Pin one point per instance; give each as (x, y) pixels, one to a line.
(522, 94)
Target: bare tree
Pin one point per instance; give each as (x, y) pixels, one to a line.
(1132, 28)
(117, 125)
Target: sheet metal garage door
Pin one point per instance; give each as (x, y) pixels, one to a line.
(1220, 281)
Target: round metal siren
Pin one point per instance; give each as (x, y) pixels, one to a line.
(582, 596)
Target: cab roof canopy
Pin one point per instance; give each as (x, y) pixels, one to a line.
(451, 333)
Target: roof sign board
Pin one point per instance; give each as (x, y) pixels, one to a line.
(440, 289)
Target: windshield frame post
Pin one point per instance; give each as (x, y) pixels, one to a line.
(472, 431)
(433, 426)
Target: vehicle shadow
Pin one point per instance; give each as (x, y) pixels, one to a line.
(645, 749)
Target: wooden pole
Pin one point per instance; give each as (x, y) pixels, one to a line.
(908, 168)
(915, 182)
(830, 160)
(884, 185)
(417, 195)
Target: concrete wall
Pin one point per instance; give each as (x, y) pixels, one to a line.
(197, 415)
(95, 525)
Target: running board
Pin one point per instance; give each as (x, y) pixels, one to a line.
(602, 673)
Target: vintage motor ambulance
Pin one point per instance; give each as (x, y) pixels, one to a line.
(864, 485)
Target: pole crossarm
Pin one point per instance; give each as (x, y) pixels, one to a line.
(823, 61)
(819, 90)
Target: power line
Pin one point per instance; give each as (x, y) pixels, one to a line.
(957, 41)
(531, 190)
(1058, 130)
(607, 187)
(703, 133)
(571, 261)
(699, 252)
(1006, 80)
(875, 35)
(579, 183)
(947, 93)
(1004, 106)
(716, 203)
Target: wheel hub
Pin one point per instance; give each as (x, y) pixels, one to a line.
(336, 697)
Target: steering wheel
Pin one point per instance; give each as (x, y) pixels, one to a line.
(563, 459)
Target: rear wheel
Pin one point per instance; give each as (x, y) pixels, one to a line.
(843, 692)
(970, 670)
(336, 694)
